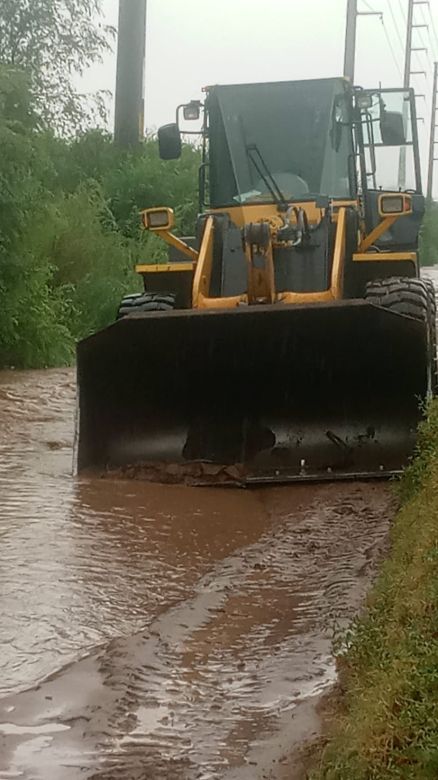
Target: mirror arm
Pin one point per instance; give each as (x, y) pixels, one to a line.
(372, 145)
(178, 110)
(378, 231)
(176, 242)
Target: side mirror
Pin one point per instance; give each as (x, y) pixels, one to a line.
(158, 219)
(395, 204)
(169, 142)
(192, 110)
(392, 128)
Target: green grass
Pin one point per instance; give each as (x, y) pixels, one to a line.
(388, 728)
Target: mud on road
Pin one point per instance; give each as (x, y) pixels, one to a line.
(159, 632)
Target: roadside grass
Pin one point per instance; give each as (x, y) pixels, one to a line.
(388, 726)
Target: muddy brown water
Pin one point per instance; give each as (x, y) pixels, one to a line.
(152, 631)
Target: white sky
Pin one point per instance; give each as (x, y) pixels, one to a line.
(191, 43)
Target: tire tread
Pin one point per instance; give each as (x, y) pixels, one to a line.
(145, 302)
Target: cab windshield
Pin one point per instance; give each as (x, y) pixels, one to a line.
(301, 132)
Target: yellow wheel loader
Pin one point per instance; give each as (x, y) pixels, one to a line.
(290, 337)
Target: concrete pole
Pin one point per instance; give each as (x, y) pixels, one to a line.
(131, 54)
(433, 126)
(408, 50)
(350, 40)
(406, 84)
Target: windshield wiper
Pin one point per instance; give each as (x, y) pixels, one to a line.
(262, 169)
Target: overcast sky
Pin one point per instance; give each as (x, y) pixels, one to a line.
(192, 43)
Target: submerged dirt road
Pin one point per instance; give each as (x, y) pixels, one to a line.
(163, 632)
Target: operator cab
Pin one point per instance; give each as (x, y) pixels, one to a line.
(390, 161)
(275, 150)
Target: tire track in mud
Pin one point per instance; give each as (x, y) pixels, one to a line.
(220, 671)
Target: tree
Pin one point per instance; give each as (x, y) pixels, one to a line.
(53, 41)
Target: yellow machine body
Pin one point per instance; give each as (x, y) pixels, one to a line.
(276, 364)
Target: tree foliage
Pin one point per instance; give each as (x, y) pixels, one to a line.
(429, 236)
(69, 200)
(70, 228)
(52, 41)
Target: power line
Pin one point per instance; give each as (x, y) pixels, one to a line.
(394, 56)
(418, 62)
(394, 21)
(421, 54)
(435, 36)
(387, 36)
(367, 5)
(403, 15)
(420, 37)
(424, 20)
(419, 31)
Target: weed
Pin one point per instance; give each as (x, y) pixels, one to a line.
(389, 730)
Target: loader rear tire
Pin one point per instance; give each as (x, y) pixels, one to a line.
(145, 302)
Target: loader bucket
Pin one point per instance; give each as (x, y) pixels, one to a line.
(256, 394)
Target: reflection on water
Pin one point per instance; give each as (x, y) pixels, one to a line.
(86, 561)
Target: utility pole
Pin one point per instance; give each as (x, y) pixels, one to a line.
(131, 54)
(350, 40)
(351, 37)
(406, 85)
(408, 72)
(433, 126)
(408, 49)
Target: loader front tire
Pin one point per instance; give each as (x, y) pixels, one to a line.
(400, 295)
(145, 302)
(414, 298)
(433, 334)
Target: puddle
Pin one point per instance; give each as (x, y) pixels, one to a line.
(158, 632)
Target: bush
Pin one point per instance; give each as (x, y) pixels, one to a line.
(426, 456)
(70, 228)
(91, 262)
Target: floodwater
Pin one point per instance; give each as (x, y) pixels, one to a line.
(152, 631)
